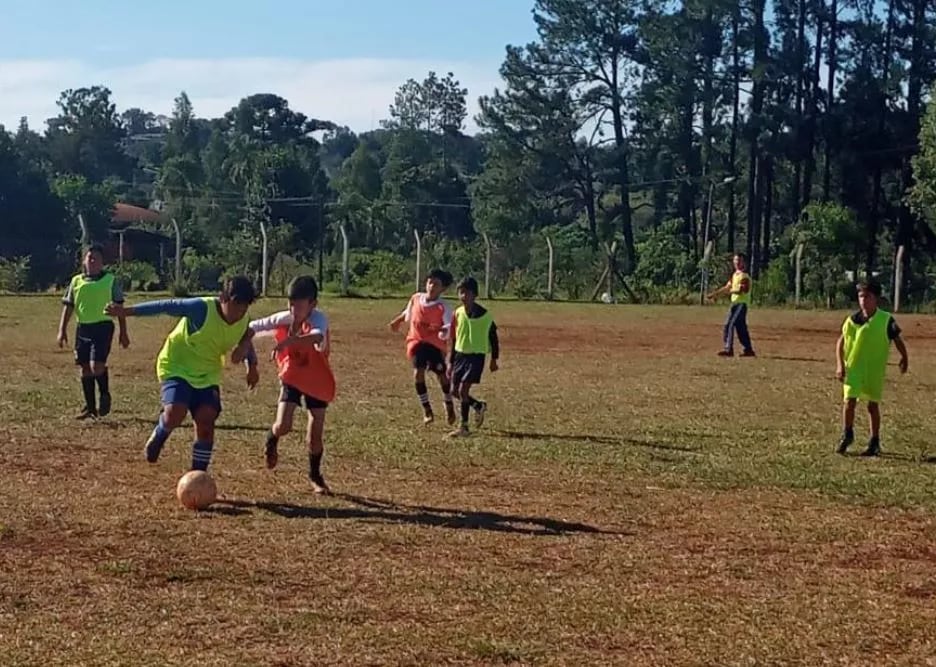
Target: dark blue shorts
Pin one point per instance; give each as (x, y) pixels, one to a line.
(177, 391)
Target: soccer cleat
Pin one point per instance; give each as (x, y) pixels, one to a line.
(480, 411)
(726, 353)
(847, 439)
(874, 448)
(87, 413)
(749, 353)
(105, 407)
(450, 413)
(462, 432)
(319, 486)
(152, 449)
(428, 418)
(271, 451)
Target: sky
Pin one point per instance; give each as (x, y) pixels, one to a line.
(339, 60)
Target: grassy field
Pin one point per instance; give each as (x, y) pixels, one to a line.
(632, 500)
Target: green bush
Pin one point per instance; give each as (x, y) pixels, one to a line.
(14, 274)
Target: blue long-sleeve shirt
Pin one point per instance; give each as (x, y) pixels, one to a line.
(195, 312)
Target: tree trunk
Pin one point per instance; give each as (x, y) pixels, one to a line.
(623, 173)
(833, 46)
(735, 115)
(757, 105)
(812, 118)
(800, 85)
(767, 189)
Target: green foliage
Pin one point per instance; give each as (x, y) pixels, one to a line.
(14, 274)
(833, 243)
(664, 261)
(135, 275)
(922, 195)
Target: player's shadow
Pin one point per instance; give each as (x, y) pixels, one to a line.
(587, 439)
(383, 511)
(928, 459)
(807, 360)
(188, 423)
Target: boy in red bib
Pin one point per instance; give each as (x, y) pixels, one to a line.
(430, 323)
(301, 353)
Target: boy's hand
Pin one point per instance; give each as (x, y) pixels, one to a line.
(394, 326)
(253, 376)
(124, 340)
(904, 364)
(62, 338)
(840, 373)
(494, 365)
(115, 310)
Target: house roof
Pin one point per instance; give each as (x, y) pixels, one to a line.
(125, 214)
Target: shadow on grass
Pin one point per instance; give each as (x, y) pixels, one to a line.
(594, 439)
(188, 423)
(808, 360)
(372, 509)
(892, 456)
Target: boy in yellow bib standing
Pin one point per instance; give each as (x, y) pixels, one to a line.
(739, 287)
(861, 363)
(474, 335)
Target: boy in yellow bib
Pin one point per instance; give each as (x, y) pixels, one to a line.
(739, 287)
(474, 335)
(190, 364)
(861, 363)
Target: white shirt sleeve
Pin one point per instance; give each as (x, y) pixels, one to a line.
(408, 311)
(319, 323)
(265, 326)
(446, 321)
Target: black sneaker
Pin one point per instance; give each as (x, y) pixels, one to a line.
(874, 448)
(480, 412)
(847, 439)
(152, 449)
(105, 406)
(87, 413)
(271, 451)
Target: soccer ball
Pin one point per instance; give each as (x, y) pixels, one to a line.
(607, 298)
(196, 490)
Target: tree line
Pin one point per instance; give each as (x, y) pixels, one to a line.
(631, 133)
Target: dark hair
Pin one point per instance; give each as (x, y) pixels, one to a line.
(303, 287)
(95, 247)
(741, 255)
(239, 289)
(444, 277)
(872, 286)
(469, 284)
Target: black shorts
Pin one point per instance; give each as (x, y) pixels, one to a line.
(467, 368)
(93, 342)
(428, 357)
(289, 394)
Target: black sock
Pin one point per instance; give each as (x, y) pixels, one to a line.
(447, 390)
(465, 411)
(849, 432)
(87, 388)
(103, 383)
(315, 465)
(272, 440)
(475, 403)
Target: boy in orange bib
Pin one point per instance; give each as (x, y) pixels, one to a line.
(301, 353)
(430, 323)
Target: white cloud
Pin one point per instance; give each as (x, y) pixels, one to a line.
(352, 92)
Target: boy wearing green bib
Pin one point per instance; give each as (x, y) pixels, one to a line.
(861, 363)
(474, 335)
(190, 363)
(87, 295)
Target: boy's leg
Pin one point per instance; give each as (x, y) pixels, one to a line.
(100, 351)
(848, 424)
(289, 399)
(171, 417)
(464, 393)
(874, 442)
(83, 361)
(728, 334)
(744, 336)
(447, 394)
(315, 439)
(205, 406)
(422, 392)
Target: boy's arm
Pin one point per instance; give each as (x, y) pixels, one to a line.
(743, 288)
(192, 308)
(840, 358)
(117, 296)
(266, 326)
(402, 317)
(724, 289)
(902, 348)
(68, 307)
(452, 342)
(245, 352)
(495, 346)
